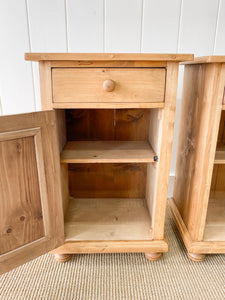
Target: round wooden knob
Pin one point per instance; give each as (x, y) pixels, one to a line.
(108, 85)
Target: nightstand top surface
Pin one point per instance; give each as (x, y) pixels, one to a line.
(108, 56)
(206, 60)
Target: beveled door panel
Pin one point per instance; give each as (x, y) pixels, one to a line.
(30, 195)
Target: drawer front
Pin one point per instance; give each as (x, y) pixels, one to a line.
(108, 85)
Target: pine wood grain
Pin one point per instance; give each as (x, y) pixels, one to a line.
(155, 133)
(198, 204)
(199, 247)
(30, 191)
(86, 85)
(153, 246)
(21, 212)
(45, 85)
(108, 152)
(131, 124)
(218, 178)
(221, 132)
(215, 220)
(90, 124)
(165, 136)
(106, 219)
(107, 124)
(104, 105)
(202, 98)
(108, 63)
(220, 157)
(207, 59)
(107, 56)
(119, 180)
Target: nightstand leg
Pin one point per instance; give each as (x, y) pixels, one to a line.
(62, 257)
(153, 256)
(196, 257)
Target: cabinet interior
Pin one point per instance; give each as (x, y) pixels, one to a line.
(215, 221)
(109, 167)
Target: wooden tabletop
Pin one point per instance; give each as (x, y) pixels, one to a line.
(108, 56)
(206, 60)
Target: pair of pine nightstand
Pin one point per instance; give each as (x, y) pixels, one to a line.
(89, 173)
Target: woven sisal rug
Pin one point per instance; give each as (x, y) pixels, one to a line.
(119, 276)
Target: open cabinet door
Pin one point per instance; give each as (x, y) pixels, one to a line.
(31, 213)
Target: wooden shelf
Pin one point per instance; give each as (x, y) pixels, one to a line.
(223, 107)
(215, 221)
(108, 152)
(105, 219)
(220, 156)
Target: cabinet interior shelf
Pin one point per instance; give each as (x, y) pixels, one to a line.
(215, 221)
(220, 156)
(108, 152)
(105, 219)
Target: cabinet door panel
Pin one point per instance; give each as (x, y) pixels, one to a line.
(31, 218)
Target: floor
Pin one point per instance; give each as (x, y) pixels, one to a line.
(119, 276)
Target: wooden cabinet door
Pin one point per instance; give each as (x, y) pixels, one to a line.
(31, 214)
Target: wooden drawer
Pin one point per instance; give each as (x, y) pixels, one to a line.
(129, 85)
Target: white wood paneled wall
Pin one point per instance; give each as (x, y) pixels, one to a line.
(123, 25)
(185, 26)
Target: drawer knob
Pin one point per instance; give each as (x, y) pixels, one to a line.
(108, 85)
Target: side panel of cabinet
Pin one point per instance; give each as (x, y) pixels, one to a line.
(201, 110)
(31, 216)
(158, 176)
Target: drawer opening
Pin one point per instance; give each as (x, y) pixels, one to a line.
(109, 164)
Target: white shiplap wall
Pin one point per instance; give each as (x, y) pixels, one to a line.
(188, 26)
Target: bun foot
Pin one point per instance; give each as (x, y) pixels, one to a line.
(62, 257)
(153, 256)
(196, 257)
